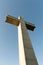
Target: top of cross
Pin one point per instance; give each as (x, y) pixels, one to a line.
(15, 21)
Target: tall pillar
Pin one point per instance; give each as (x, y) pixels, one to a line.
(26, 53)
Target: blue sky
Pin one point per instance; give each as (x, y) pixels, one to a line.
(31, 11)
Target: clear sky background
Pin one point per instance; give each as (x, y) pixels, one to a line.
(31, 11)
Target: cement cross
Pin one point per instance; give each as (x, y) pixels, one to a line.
(26, 52)
(15, 21)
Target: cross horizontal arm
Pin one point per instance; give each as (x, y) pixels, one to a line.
(12, 20)
(30, 26)
(15, 21)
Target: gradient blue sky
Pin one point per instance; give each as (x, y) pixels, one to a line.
(31, 11)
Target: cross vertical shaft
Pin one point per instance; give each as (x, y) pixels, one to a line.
(26, 53)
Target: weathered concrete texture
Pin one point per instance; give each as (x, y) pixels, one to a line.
(26, 53)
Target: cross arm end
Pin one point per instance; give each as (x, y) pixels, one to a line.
(30, 26)
(12, 20)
